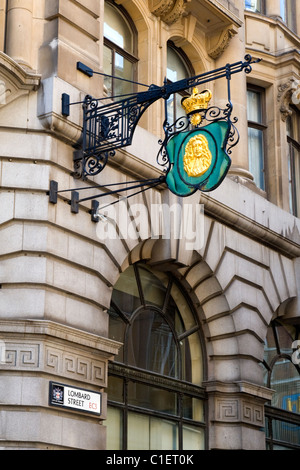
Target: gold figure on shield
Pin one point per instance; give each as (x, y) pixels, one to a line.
(197, 158)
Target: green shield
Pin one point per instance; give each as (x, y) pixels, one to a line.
(205, 172)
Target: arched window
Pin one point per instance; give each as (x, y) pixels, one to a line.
(178, 67)
(119, 51)
(282, 374)
(155, 396)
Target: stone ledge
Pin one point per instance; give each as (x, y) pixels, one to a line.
(259, 391)
(107, 347)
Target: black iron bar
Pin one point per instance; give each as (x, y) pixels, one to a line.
(178, 86)
(108, 185)
(154, 181)
(157, 92)
(130, 195)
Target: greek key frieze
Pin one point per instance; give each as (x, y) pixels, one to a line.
(235, 410)
(71, 365)
(20, 356)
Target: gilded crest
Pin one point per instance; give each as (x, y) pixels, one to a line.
(195, 103)
(197, 158)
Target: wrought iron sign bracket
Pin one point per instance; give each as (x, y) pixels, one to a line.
(108, 127)
(111, 126)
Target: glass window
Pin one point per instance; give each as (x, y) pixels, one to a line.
(256, 130)
(155, 381)
(253, 5)
(288, 13)
(119, 59)
(282, 374)
(293, 138)
(178, 67)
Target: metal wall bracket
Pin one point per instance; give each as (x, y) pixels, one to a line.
(53, 192)
(75, 200)
(94, 211)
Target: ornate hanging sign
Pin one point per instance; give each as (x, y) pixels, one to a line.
(198, 158)
(195, 151)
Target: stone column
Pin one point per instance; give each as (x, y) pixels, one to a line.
(19, 31)
(2, 24)
(236, 413)
(273, 9)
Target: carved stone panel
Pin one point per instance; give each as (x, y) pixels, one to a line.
(168, 11)
(75, 366)
(288, 93)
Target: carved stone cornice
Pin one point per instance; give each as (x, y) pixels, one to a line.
(15, 80)
(288, 93)
(296, 96)
(220, 41)
(168, 11)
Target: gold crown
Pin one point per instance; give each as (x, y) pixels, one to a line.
(195, 103)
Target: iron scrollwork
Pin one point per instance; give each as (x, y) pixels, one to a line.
(105, 129)
(111, 126)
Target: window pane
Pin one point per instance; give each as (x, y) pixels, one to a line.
(123, 69)
(107, 68)
(193, 438)
(148, 433)
(256, 164)
(291, 181)
(125, 293)
(116, 29)
(297, 182)
(286, 432)
(192, 370)
(115, 389)
(254, 106)
(114, 428)
(192, 408)
(253, 5)
(152, 398)
(285, 380)
(294, 179)
(287, 13)
(151, 344)
(183, 307)
(154, 290)
(170, 110)
(176, 68)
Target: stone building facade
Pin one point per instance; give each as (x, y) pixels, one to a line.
(67, 280)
